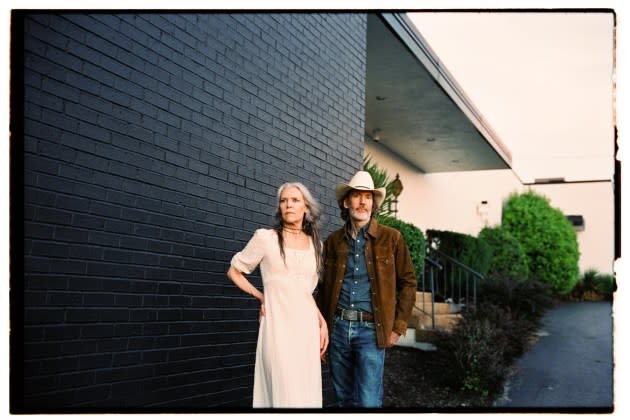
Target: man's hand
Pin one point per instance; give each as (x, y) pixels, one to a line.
(393, 339)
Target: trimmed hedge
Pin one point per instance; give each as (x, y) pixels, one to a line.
(469, 250)
(508, 258)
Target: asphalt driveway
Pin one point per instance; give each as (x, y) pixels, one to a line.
(570, 368)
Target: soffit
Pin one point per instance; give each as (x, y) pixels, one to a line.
(416, 110)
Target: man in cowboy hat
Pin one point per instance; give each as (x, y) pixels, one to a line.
(367, 293)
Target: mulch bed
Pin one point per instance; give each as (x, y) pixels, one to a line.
(411, 382)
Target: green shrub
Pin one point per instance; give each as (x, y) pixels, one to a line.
(471, 357)
(516, 331)
(476, 354)
(507, 256)
(525, 299)
(593, 286)
(515, 308)
(605, 285)
(471, 251)
(413, 237)
(602, 284)
(547, 238)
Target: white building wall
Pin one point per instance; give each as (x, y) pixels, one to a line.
(453, 200)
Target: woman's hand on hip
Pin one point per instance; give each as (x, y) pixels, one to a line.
(323, 339)
(261, 313)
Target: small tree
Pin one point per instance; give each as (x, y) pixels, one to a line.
(547, 237)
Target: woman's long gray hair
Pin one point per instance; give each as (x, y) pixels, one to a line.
(310, 224)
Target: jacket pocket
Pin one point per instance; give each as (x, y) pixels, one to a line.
(384, 260)
(385, 269)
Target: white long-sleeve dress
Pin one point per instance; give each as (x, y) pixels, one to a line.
(288, 369)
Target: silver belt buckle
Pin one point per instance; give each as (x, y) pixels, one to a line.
(351, 314)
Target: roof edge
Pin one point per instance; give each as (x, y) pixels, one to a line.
(419, 47)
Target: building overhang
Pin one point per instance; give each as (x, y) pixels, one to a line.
(416, 110)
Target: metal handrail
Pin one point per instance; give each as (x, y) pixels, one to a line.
(447, 273)
(432, 262)
(433, 265)
(457, 262)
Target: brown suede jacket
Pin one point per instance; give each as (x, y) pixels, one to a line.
(391, 274)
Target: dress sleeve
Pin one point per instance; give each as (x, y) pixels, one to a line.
(248, 259)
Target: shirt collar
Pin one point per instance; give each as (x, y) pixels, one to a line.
(363, 231)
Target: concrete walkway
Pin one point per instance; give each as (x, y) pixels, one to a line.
(570, 367)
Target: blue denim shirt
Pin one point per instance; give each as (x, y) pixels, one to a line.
(355, 290)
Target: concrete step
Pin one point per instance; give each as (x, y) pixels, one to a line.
(442, 308)
(409, 340)
(421, 321)
(446, 314)
(423, 297)
(423, 301)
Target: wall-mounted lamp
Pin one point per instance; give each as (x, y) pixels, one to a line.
(483, 209)
(397, 188)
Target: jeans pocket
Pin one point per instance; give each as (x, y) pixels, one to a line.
(369, 324)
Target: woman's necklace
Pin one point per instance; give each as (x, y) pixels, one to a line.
(295, 237)
(294, 231)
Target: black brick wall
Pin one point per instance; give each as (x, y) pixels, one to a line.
(152, 147)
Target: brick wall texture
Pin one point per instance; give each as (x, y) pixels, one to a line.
(153, 145)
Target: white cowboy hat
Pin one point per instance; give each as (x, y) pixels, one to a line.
(361, 181)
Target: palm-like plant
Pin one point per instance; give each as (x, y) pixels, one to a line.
(381, 179)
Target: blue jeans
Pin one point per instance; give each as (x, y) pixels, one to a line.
(356, 364)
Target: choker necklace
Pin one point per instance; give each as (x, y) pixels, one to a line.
(292, 230)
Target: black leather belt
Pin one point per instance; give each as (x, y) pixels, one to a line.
(352, 315)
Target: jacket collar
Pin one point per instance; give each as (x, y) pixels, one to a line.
(372, 228)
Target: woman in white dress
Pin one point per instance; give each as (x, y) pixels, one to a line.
(293, 335)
